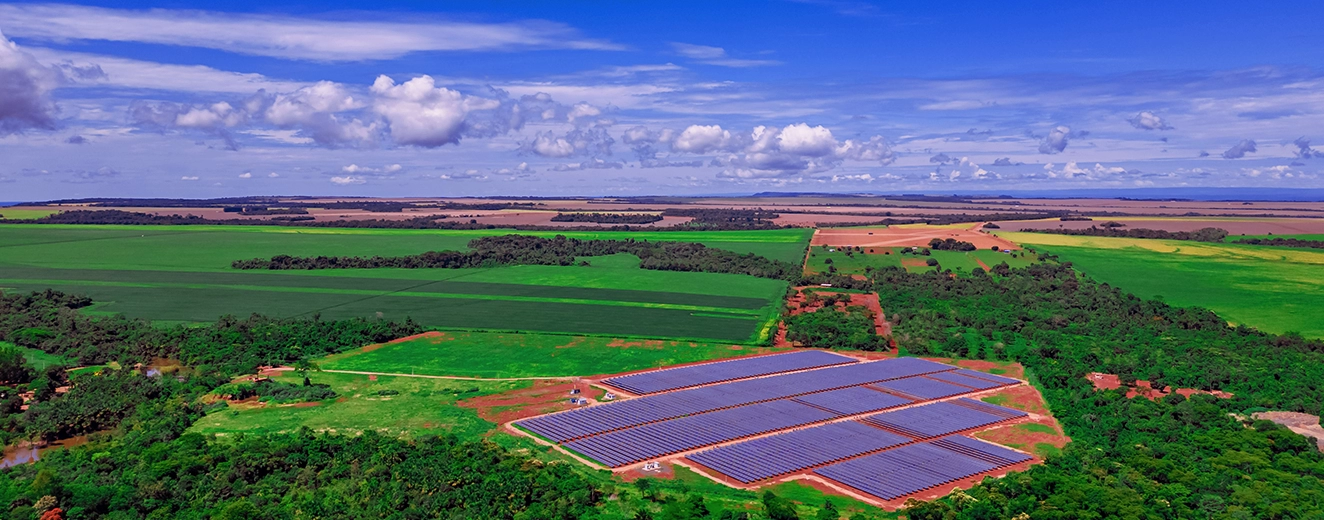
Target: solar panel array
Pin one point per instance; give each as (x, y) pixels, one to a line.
(708, 373)
(990, 377)
(924, 388)
(853, 400)
(964, 380)
(936, 419)
(768, 457)
(901, 471)
(654, 440)
(574, 424)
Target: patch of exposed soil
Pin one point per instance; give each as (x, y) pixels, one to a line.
(907, 237)
(1301, 423)
(1025, 398)
(544, 396)
(665, 471)
(1144, 389)
(1021, 437)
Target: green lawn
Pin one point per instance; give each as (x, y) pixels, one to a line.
(38, 359)
(182, 274)
(955, 260)
(422, 407)
(1274, 289)
(495, 355)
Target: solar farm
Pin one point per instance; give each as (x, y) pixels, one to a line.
(881, 429)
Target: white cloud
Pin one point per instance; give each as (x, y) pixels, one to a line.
(136, 74)
(1055, 141)
(25, 87)
(717, 56)
(699, 139)
(801, 139)
(285, 36)
(273, 175)
(313, 111)
(368, 170)
(246, 175)
(188, 178)
(419, 112)
(1149, 121)
(348, 180)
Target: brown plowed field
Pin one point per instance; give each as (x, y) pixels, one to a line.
(898, 236)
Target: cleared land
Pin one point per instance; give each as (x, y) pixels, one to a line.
(421, 406)
(497, 355)
(1274, 289)
(908, 235)
(182, 273)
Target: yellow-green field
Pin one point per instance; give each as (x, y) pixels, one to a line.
(1271, 288)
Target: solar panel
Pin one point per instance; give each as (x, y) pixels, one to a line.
(989, 408)
(987, 376)
(936, 419)
(981, 450)
(707, 373)
(963, 380)
(768, 457)
(593, 420)
(853, 400)
(632, 445)
(924, 388)
(901, 471)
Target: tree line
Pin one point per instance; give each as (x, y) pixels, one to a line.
(950, 244)
(1209, 234)
(528, 250)
(1283, 242)
(608, 218)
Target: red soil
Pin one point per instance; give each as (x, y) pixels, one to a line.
(665, 471)
(1016, 436)
(906, 237)
(1145, 389)
(1025, 398)
(543, 397)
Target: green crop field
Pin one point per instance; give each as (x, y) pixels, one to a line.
(1275, 289)
(959, 261)
(182, 274)
(497, 355)
(422, 406)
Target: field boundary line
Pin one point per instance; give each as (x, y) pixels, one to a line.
(462, 378)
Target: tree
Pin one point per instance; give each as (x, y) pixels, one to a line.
(828, 511)
(778, 508)
(14, 368)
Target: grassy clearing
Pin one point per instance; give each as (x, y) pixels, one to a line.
(38, 359)
(958, 261)
(422, 407)
(495, 355)
(1271, 288)
(15, 213)
(182, 274)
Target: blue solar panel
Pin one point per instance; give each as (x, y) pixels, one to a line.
(632, 445)
(707, 373)
(768, 457)
(972, 382)
(936, 419)
(986, 376)
(901, 471)
(853, 400)
(573, 424)
(981, 450)
(924, 388)
(989, 408)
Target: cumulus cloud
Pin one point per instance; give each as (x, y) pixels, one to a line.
(941, 158)
(591, 164)
(246, 175)
(1240, 149)
(701, 139)
(313, 111)
(1056, 140)
(355, 169)
(1304, 151)
(1072, 170)
(25, 88)
(1149, 121)
(216, 119)
(419, 112)
(188, 178)
(348, 180)
(1005, 161)
(768, 152)
(520, 169)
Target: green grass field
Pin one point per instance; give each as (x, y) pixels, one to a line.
(1275, 289)
(422, 407)
(496, 355)
(957, 261)
(182, 274)
(24, 214)
(38, 359)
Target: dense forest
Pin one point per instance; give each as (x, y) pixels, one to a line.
(1129, 458)
(833, 327)
(950, 244)
(528, 250)
(1283, 242)
(1200, 235)
(608, 218)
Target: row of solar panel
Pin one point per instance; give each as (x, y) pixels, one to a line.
(649, 441)
(943, 418)
(767, 457)
(721, 371)
(909, 469)
(574, 424)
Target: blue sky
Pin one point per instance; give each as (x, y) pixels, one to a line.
(633, 98)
